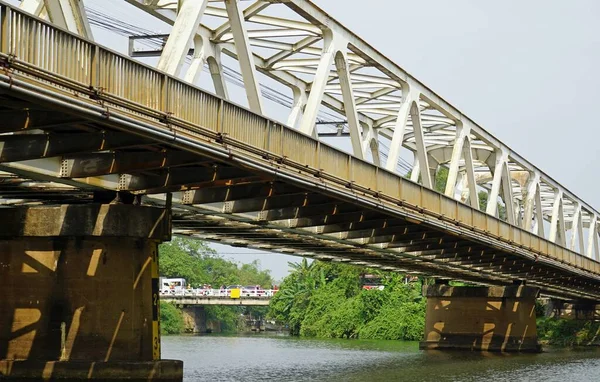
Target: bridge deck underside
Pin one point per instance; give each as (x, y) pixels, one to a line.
(57, 156)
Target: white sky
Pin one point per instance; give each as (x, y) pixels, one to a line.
(527, 71)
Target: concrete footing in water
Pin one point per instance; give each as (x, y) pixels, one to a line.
(500, 319)
(79, 288)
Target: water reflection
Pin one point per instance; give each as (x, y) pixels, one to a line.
(259, 358)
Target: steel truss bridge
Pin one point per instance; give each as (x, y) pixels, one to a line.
(81, 123)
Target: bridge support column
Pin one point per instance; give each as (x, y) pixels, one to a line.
(480, 318)
(195, 319)
(80, 293)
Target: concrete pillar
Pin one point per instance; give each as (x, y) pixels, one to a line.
(480, 318)
(79, 296)
(194, 318)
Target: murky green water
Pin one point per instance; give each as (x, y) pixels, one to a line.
(262, 358)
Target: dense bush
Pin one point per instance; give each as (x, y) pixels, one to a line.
(199, 264)
(567, 332)
(171, 319)
(326, 300)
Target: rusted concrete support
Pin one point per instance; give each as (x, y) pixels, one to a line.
(77, 285)
(480, 318)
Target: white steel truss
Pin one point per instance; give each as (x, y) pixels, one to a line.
(386, 113)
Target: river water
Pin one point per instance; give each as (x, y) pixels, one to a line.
(282, 358)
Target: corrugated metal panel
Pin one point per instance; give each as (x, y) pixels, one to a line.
(129, 80)
(535, 243)
(49, 48)
(515, 234)
(411, 192)
(333, 162)
(492, 225)
(364, 173)
(480, 220)
(449, 208)
(389, 184)
(431, 201)
(300, 148)
(192, 105)
(465, 214)
(504, 230)
(243, 126)
(275, 139)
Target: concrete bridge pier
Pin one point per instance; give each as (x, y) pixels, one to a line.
(500, 319)
(79, 292)
(194, 318)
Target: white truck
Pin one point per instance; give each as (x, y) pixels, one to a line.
(173, 286)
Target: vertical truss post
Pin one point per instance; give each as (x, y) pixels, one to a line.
(539, 213)
(470, 170)
(371, 142)
(457, 152)
(201, 54)
(317, 89)
(205, 52)
(532, 189)
(244, 55)
(341, 64)
(492, 205)
(416, 170)
(507, 195)
(592, 246)
(298, 107)
(433, 168)
(415, 116)
(216, 72)
(399, 130)
(557, 225)
(178, 44)
(577, 230)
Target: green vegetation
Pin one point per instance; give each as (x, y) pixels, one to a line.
(326, 300)
(171, 319)
(567, 332)
(199, 264)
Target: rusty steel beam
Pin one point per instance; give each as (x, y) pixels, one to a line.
(22, 147)
(104, 163)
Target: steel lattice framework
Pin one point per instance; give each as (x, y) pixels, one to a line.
(386, 111)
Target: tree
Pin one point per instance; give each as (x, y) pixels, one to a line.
(326, 300)
(199, 264)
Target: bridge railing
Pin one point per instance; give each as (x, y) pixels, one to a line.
(52, 56)
(221, 293)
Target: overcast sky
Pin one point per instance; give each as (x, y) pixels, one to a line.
(526, 71)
